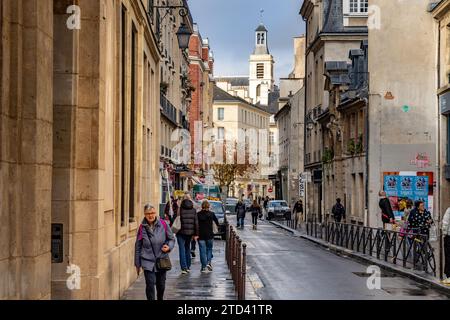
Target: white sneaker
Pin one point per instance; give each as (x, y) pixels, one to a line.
(209, 266)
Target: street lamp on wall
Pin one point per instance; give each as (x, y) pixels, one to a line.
(183, 33)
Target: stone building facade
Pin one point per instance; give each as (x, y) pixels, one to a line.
(290, 126)
(175, 98)
(440, 10)
(201, 71)
(79, 145)
(332, 29)
(291, 143)
(344, 135)
(237, 121)
(402, 109)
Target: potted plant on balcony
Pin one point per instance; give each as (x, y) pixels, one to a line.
(359, 148)
(351, 147)
(327, 158)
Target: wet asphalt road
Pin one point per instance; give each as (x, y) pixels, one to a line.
(282, 266)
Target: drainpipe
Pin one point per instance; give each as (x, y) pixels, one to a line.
(438, 156)
(366, 209)
(305, 106)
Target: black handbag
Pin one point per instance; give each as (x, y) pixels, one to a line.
(163, 264)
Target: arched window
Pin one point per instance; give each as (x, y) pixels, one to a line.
(262, 38)
(258, 91)
(259, 38)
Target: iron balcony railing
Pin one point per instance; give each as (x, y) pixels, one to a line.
(168, 110)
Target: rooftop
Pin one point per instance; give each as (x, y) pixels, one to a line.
(235, 81)
(221, 95)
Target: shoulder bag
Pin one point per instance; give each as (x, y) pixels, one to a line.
(176, 225)
(163, 264)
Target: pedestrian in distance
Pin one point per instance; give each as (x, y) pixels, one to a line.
(153, 243)
(206, 218)
(446, 234)
(387, 215)
(338, 211)
(256, 212)
(187, 233)
(240, 213)
(297, 212)
(265, 203)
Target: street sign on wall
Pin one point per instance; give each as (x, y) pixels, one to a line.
(301, 186)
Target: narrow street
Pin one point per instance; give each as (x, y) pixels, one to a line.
(286, 267)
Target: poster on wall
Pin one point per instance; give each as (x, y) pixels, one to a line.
(403, 186)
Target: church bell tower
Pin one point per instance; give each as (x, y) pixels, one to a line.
(261, 80)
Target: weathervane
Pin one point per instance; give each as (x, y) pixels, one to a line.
(261, 14)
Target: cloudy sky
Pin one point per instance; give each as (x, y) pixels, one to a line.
(230, 27)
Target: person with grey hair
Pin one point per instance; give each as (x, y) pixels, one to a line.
(154, 241)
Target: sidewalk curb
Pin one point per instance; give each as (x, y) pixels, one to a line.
(423, 279)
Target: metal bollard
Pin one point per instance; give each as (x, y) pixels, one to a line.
(235, 259)
(244, 270)
(233, 254)
(239, 269)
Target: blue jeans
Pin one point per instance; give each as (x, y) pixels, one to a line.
(205, 247)
(184, 244)
(240, 222)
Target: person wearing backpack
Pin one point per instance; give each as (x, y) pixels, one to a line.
(154, 241)
(240, 213)
(187, 233)
(338, 211)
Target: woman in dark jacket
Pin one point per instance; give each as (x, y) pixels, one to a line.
(240, 213)
(420, 220)
(154, 240)
(255, 209)
(189, 230)
(206, 235)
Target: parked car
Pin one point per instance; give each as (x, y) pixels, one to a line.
(219, 210)
(278, 208)
(230, 204)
